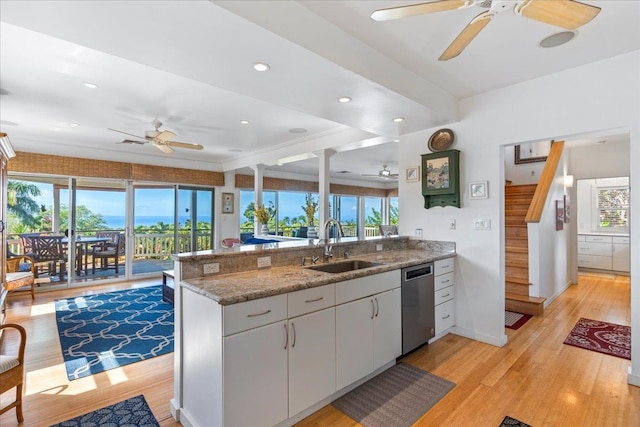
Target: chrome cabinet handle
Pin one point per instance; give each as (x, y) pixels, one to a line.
(314, 300)
(446, 317)
(377, 307)
(444, 296)
(445, 281)
(286, 334)
(373, 309)
(293, 327)
(259, 314)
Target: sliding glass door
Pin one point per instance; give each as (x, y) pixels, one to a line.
(195, 219)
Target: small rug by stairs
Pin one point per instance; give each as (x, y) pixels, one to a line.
(397, 397)
(128, 413)
(511, 422)
(513, 320)
(603, 337)
(105, 331)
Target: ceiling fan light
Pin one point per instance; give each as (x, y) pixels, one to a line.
(385, 172)
(557, 39)
(344, 99)
(261, 66)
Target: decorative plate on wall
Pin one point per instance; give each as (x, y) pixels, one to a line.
(440, 140)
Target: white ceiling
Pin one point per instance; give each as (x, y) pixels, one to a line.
(189, 64)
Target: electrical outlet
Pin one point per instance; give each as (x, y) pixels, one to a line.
(264, 261)
(417, 232)
(452, 224)
(379, 247)
(212, 268)
(482, 224)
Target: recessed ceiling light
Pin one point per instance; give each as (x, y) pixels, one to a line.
(244, 122)
(557, 39)
(344, 99)
(396, 140)
(398, 119)
(260, 66)
(297, 130)
(90, 85)
(74, 125)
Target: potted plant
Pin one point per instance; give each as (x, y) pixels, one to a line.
(264, 214)
(310, 208)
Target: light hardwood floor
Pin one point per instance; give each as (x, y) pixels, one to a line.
(534, 378)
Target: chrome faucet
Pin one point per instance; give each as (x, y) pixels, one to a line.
(328, 249)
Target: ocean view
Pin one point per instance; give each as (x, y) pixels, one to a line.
(117, 222)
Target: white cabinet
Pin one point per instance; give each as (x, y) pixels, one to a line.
(369, 329)
(603, 252)
(621, 257)
(444, 298)
(255, 376)
(312, 361)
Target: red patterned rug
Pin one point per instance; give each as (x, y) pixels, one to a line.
(603, 337)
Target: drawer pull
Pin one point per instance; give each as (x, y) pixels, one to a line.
(293, 326)
(259, 314)
(444, 296)
(286, 334)
(446, 317)
(445, 266)
(445, 281)
(315, 299)
(373, 309)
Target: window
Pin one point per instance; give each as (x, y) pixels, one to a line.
(613, 208)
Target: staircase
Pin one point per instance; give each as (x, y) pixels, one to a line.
(517, 201)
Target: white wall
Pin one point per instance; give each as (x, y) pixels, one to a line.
(553, 107)
(526, 173)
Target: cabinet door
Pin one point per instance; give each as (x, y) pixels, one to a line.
(354, 341)
(312, 359)
(387, 327)
(255, 376)
(621, 257)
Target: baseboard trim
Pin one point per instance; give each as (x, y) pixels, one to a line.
(632, 378)
(499, 341)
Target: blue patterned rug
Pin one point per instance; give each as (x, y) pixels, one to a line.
(130, 412)
(105, 331)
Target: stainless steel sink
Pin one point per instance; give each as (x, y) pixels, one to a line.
(344, 266)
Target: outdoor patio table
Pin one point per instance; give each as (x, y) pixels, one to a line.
(82, 245)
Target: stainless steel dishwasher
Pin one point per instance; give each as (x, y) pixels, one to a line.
(418, 318)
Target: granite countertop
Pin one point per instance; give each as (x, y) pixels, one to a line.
(238, 287)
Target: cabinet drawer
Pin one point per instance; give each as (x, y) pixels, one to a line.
(582, 238)
(444, 295)
(351, 290)
(445, 316)
(251, 314)
(593, 261)
(313, 299)
(598, 239)
(601, 249)
(443, 266)
(443, 281)
(621, 239)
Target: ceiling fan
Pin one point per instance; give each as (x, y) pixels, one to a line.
(384, 173)
(568, 14)
(161, 139)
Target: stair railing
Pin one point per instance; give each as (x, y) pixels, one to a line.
(544, 184)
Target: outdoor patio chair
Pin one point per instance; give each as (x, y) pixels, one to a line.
(388, 230)
(20, 274)
(49, 251)
(112, 249)
(12, 370)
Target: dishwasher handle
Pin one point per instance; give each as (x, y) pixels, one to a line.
(417, 272)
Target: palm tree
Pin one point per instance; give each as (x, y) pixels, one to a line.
(20, 202)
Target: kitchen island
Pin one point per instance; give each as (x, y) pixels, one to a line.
(271, 345)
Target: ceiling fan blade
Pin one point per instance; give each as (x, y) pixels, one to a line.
(466, 36)
(131, 141)
(126, 133)
(566, 14)
(418, 9)
(188, 145)
(165, 136)
(163, 147)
